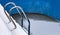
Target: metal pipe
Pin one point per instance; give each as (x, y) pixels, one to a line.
(24, 16)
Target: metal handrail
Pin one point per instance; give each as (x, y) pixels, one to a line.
(17, 10)
(17, 7)
(24, 16)
(9, 17)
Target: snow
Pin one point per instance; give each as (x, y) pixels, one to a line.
(6, 27)
(39, 27)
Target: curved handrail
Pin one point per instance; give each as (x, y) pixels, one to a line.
(12, 4)
(9, 17)
(24, 16)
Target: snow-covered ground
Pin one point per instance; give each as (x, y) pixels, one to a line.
(6, 26)
(39, 27)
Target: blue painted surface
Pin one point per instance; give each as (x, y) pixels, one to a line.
(48, 7)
